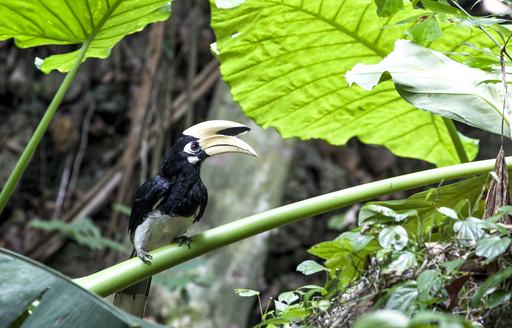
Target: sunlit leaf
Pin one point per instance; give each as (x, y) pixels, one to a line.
(285, 63)
(103, 23)
(446, 88)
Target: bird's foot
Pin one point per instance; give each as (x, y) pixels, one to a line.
(184, 240)
(145, 257)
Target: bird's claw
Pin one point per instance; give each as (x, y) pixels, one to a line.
(184, 240)
(145, 257)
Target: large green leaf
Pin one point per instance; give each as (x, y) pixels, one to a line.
(285, 62)
(98, 23)
(446, 88)
(32, 295)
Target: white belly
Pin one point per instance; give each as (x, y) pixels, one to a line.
(159, 229)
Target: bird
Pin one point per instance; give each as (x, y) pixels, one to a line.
(165, 206)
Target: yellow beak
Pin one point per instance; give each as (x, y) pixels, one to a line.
(219, 137)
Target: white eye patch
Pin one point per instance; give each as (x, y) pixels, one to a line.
(192, 148)
(193, 159)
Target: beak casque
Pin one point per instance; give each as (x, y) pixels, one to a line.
(219, 137)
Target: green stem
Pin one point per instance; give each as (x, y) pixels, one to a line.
(29, 150)
(455, 137)
(131, 271)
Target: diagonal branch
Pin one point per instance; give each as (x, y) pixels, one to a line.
(124, 274)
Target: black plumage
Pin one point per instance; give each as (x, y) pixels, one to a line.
(165, 206)
(178, 191)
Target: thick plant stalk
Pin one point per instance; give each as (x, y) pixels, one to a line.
(30, 149)
(124, 274)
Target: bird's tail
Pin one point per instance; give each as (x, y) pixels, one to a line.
(134, 299)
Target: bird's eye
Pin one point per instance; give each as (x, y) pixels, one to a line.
(192, 147)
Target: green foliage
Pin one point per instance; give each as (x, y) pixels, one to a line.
(84, 232)
(286, 62)
(396, 262)
(447, 88)
(100, 23)
(36, 296)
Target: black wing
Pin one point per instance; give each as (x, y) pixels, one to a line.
(202, 205)
(146, 198)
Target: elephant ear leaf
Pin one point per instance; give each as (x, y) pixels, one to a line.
(36, 296)
(96, 25)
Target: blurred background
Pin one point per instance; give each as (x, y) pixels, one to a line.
(71, 209)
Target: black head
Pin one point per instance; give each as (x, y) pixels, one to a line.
(203, 140)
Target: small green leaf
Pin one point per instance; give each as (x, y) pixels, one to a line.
(401, 261)
(404, 298)
(309, 267)
(326, 249)
(387, 8)
(446, 211)
(288, 298)
(394, 237)
(470, 229)
(355, 241)
(491, 247)
(491, 282)
(244, 292)
(425, 31)
(102, 23)
(383, 319)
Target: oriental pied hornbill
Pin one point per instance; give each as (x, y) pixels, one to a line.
(165, 206)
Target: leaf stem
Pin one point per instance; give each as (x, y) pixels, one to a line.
(124, 274)
(34, 141)
(457, 142)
